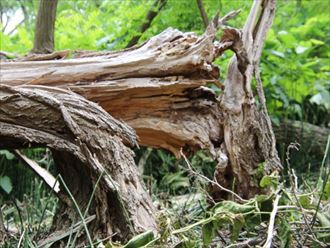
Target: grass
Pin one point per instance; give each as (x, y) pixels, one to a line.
(296, 214)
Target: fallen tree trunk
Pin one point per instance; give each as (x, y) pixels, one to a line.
(86, 144)
(313, 139)
(157, 88)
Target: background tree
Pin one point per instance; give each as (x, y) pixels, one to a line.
(44, 28)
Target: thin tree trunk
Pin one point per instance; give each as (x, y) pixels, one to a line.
(158, 5)
(203, 13)
(45, 24)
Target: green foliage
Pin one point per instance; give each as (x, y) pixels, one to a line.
(5, 184)
(296, 59)
(140, 240)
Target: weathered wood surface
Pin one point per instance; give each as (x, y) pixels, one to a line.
(161, 108)
(86, 142)
(157, 88)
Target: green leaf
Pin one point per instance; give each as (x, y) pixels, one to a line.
(326, 192)
(209, 231)
(232, 207)
(324, 219)
(305, 201)
(269, 180)
(301, 49)
(284, 233)
(321, 98)
(7, 154)
(5, 184)
(265, 181)
(317, 42)
(140, 240)
(238, 224)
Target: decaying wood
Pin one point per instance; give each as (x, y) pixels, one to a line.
(173, 112)
(248, 135)
(158, 88)
(161, 109)
(86, 142)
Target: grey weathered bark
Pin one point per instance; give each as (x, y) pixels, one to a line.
(248, 134)
(157, 88)
(86, 142)
(152, 13)
(44, 29)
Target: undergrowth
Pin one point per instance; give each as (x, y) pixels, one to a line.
(295, 214)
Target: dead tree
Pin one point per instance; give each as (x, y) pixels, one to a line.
(86, 144)
(159, 89)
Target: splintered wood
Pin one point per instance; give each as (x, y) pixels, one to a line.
(160, 89)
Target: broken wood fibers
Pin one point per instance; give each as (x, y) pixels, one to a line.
(158, 88)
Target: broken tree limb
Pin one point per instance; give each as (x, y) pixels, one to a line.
(158, 88)
(85, 142)
(248, 138)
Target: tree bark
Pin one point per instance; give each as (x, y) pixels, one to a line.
(45, 24)
(159, 89)
(86, 143)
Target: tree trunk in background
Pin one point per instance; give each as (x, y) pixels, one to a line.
(312, 139)
(44, 29)
(152, 13)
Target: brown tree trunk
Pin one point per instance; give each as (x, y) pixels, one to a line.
(313, 139)
(86, 143)
(158, 89)
(45, 24)
(203, 13)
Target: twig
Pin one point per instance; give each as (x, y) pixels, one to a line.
(293, 186)
(211, 181)
(21, 239)
(227, 17)
(19, 24)
(247, 243)
(270, 233)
